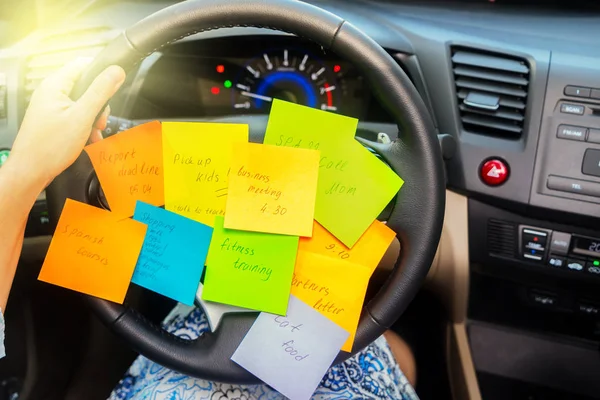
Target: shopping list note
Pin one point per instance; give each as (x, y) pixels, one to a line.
(197, 159)
(215, 311)
(250, 269)
(354, 185)
(368, 251)
(333, 287)
(173, 255)
(93, 251)
(291, 353)
(129, 167)
(272, 189)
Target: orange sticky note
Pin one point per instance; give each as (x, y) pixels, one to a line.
(129, 167)
(368, 251)
(334, 287)
(272, 189)
(93, 251)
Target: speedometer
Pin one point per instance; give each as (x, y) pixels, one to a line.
(286, 74)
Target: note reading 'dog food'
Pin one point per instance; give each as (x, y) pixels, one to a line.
(354, 185)
(197, 159)
(129, 167)
(249, 269)
(334, 287)
(272, 189)
(173, 254)
(291, 353)
(93, 251)
(368, 251)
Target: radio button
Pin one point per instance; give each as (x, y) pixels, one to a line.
(575, 265)
(577, 91)
(557, 261)
(591, 162)
(573, 185)
(576, 109)
(571, 132)
(593, 135)
(560, 242)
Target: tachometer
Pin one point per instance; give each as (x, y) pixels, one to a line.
(286, 74)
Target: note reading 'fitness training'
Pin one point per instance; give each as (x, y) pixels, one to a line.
(272, 189)
(215, 311)
(250, 269)
(368, 251)
(129, 167)
(197, 160)
(173, 254)
(291, 353)
(93, 251)
(354, 185)
(334, 287)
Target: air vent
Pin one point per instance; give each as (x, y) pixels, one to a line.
(54, 50)
(501, 238)
(492, 92)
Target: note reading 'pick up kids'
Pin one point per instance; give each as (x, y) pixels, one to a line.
(129, 167)
(250, 269)
(93, 251)
(173, 255)
(272, 189)
(197, 159)
(368, 251)
(333, 287)
(354, 185)
(291, 353)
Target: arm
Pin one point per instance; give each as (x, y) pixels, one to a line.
(51, 137)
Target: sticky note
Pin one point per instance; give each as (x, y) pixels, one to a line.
(368, 251)
(197, 159)
(354, 185)
(291, 353)
(250, 269)
(272, 189)
(129, 167)
(173, 254)
(215, 311)
(93, 251)
(334, 287)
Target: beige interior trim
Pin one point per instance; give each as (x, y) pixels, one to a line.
(449, 279)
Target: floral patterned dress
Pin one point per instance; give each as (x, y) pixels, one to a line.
(370, 374)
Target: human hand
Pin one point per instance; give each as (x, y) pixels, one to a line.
(55, 128)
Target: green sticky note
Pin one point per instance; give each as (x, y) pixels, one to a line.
(250, 269)
(354, 185)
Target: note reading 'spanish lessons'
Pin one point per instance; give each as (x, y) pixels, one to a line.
(272, 189)
(215, 311)
(93, 251)
(354, 185)
(368, 251)
(334, 287)
(173, 255)
(291, 353)
(129, 167)
(250, 269)
(197, 159)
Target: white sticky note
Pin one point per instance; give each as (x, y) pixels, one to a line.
(291, 353)
(215, 311)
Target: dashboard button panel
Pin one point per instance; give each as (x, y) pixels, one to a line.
(571, 185)
(576, 109)
(577, 91)
(591, 162)
(572, 132)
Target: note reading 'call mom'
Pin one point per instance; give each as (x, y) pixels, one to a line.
(272, 189)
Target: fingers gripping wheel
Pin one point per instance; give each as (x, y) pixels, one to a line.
(417, 217)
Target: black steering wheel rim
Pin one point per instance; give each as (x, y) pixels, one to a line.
(418, 213)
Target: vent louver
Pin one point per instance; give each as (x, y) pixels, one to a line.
(501, 238)
(492, 92)
(54, 50)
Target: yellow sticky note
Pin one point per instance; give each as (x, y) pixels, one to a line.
(93, 251)
(334, 287)
(129, 167)
(196, 158)
(272, 189)
(368, 251)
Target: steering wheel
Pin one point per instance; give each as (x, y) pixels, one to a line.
(418, 212)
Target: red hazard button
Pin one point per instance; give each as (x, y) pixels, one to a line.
(494, 172)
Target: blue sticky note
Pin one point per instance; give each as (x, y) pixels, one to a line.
(173, 253)
(291, 353)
